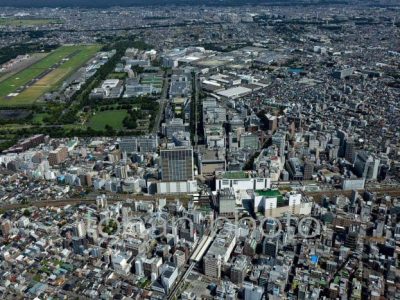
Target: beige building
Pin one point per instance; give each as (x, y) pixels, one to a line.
(58, 156)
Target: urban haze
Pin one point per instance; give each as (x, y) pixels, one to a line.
(188, 150)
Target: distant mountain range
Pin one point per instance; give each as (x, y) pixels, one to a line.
(110, 3)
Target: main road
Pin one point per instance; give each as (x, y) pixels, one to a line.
(163, 102)
(196, 103)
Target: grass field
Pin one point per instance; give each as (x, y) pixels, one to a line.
(27, 22)
(38, 118)
(117, 75)
(72, 57)
(34, 57)
(113, 118)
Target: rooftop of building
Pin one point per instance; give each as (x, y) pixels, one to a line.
(235, 175)
(271, 193)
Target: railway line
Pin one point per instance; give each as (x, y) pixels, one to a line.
(316, 196)
(91, 200)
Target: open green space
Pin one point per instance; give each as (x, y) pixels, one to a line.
(81, 117)
(8, 73)
(68, 58)
(113, 118)
(27, 22)
(38, 118)
(117, 75)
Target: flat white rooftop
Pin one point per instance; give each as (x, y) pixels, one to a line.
(235, 92)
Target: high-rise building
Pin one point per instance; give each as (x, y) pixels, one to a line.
(295, 167)
(270, 247)
(279, 139)
(168, 277)
(249, 247)
(76, 244)
(397, 231)
(139, 267)
(366, 165)
(128, 145)
(5, 228)
(342, 136)
(114, 156)
(351, 240)
(249, 141)
(179, 258)
(80, 229)
(308, 170)
(120, 263)
(172, 126)
(333, 151)
(152, 266)
(121, 171)
(26, 144)
(219, 251)
(342, 73)
(349, 153)
(252, 292)
(177, 164)
(212, 266)
(239, 270)
(58, 156)
(272, 122)
(227, 202)
(136, 246)
(147, 143)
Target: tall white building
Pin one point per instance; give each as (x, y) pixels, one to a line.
(279, 139)
(220, 251)
(177, 164)
(241, 181)
(120, 263)
(252, 292)
(366, 165)
(168, 277)
(139, 267)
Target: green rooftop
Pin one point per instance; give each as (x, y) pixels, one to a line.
(337, 280)
(235, 175)
(272, 194)
(269, 193)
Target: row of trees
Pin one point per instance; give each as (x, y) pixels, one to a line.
(60, 132)
(12, 51)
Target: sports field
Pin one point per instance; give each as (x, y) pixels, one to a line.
(27, 22)
(26, 86)
(112, 118)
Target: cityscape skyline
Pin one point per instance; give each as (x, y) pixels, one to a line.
(200, 150)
